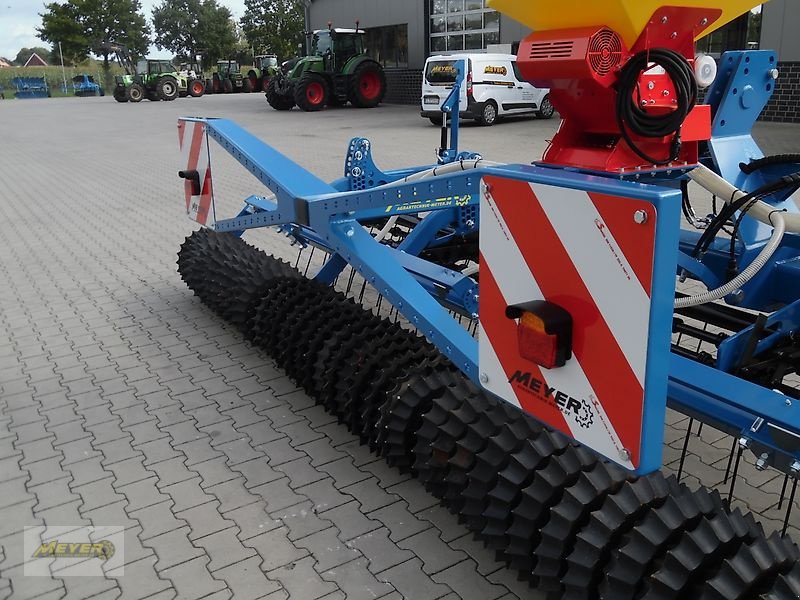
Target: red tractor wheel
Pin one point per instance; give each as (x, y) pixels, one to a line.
(196, 88)
(367, 85)
(311, 92)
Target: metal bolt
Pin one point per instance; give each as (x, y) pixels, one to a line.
(761, 463)
(651, 85)
(359, 156)
(356, 171)
(744, 443)
(665, 93)
(795, 468)
(640, 217)
(484, 378)
(674, 35)
(704, 22)
(470, 223)
(774, 73)
(350, 232)
(664, 20)
(625, 455)
(644, 102)
(788, 402)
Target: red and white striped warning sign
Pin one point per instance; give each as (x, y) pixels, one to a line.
(586, 253)
(193, 140)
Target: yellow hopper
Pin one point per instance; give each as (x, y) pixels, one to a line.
(627, 17)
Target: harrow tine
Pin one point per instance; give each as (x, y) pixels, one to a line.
(783, 490)
(361, 294)
(299, 254)
(789, 508)
(308, 264)
(730, 462)
(350, 281)
(685, 447)
(700, 429)
(735, 473)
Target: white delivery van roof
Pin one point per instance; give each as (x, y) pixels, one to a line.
(474, 56)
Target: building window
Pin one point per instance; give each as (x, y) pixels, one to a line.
(458, 25)
(388, 45)
(743, 33)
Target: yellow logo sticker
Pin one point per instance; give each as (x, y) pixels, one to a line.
(56, 549)
(443, 69)
(496, 70)
(423, 205)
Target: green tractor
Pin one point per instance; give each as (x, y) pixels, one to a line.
(229, 78)
(149, 78)
(337, 71)
(266, 65)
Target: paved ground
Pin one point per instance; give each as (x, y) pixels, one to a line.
(123, 401)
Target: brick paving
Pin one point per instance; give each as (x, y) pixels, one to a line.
(123, 401)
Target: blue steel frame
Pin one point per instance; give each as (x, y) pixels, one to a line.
(328, 215)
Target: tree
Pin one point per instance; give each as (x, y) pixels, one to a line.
(61, 23)
(25, 53)
(81, 26)
(192, 27)
(274, 26)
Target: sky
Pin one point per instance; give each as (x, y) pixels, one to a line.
(19, 19)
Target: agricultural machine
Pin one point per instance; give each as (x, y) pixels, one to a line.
(85, 85)
(338, 71)
(192, 73)
(30, 87)
(534, 335)
(147, 78)
(228, 78)
(266, 65)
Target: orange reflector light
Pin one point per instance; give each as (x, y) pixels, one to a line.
(544, 333)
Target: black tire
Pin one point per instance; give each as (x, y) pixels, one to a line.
(311, 92)
(120, 95)
(209, 86)
(101, 92)
(196, 88)
(167, 88)
(135, 92)
(247, 85)
(276, 98)
(227, 86)
(488, 116)
(546, 110)
(152, 95)
(367, 85)
(437, 121)
(255, 81)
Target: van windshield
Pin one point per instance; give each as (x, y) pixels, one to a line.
(442, 72)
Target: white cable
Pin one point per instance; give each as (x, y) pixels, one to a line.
(761, 211)
(779, 225)
(386, 228)
(718, 186)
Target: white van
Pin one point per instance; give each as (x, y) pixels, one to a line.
(493, 88)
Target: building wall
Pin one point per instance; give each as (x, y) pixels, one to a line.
(512, 31)
(371, 13)
(779, 27)
(780, 24)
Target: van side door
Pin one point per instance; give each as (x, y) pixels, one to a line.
(530, 96)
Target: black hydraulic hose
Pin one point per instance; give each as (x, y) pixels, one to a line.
(731, 208)
(632, 117)
(776, 159)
